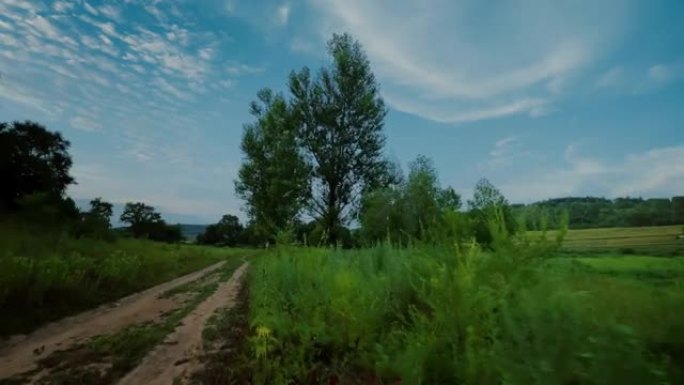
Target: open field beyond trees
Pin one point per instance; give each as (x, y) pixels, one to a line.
(656, 240)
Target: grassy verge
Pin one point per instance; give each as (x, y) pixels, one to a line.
(434, 315)
(44, 277)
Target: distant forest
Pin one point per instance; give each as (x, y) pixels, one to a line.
(593, 212)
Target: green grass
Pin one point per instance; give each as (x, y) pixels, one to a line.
(46, 276)
(428, 315)
(656, 240)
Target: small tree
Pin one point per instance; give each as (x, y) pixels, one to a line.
(96, 221)
(487, 204)
(228, 232)
(141, 218)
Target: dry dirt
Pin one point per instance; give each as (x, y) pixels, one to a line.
(21, 354)
(178, 356)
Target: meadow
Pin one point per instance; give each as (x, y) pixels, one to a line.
(520, 313)
(655, 240)
(46, 275)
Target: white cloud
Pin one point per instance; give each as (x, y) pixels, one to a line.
(440, 113)
(85, 123)
(62, 6)
(301, 45)
(230, 6)
(660, 73)
(656, 172)
(156, 12)
(463, 61)
(164, 85)
(111, 12)
(235, 69)
(90, 8)
(282, 14)
(20, 4)
(206, 53)
(611, 78)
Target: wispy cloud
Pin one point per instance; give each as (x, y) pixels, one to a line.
(652, 173)
(85, 123)
(526, 58)
(282, 14)
(611, 78)
(239, 69)
(666, 73)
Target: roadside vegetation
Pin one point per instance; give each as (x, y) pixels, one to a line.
(372, 275)
(426, 315)
(428, 288)
(55, 259)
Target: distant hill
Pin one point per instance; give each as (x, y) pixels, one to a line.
(190, 232)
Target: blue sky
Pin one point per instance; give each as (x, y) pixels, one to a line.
(544, 98)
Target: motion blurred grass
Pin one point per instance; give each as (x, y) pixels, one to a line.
(434, 315)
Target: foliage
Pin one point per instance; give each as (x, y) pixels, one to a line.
(273, 178)
(340, 117)
(592, 212)
(227, 232)
(440, 314)
(487, 200)
(145, 222)
(32, 160)
(47, 275)
(95, 222)
(415, 210)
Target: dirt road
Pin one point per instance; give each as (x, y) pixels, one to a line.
(24, 357)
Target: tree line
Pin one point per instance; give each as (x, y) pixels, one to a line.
(35, 165)
(595, 212)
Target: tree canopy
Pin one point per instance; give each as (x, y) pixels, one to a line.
(32, 160)
(274, 178)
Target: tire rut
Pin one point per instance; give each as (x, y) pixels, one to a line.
(178, 356)
(21, 354)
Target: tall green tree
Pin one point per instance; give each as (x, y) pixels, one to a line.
(340, 116)
(274, 177)
(33, 160)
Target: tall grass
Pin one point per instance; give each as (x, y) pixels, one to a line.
(47, 275)
(455, 314)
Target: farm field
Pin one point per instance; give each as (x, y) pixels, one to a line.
(656, 240)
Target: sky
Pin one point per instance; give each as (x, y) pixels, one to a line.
(544, 98)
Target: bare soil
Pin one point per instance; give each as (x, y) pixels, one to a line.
(23, 354)
(178, 357)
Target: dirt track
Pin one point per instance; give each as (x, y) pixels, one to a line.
(22, 354)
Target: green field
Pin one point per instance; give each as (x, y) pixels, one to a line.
(657, 240)
(435, 315)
